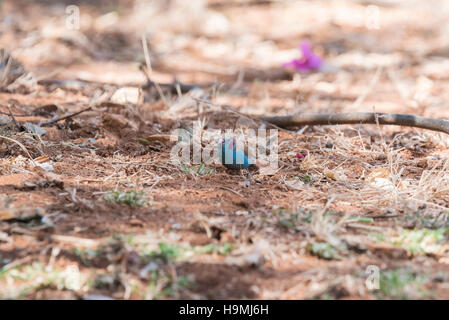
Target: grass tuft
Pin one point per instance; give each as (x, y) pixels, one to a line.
(131, 198)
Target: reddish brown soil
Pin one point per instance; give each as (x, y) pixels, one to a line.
(99, 150)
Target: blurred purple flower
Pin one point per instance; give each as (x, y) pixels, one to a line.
(301, 155)
(309, 60)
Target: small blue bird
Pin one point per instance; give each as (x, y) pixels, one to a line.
(231, 157)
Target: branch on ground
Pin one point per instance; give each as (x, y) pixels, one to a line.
(302, 119)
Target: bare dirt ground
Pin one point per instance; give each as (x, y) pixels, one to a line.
(90, 210)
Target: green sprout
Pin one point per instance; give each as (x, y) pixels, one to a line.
(131, 198)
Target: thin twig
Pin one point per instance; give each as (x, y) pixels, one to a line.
(13, 119)
(53, 121)
(20, 145)
(231, 190)
(149, 71)
(382, 216)
(15, 115)
(229, 4)
(175, 87)
(365, 227)
(301, 119)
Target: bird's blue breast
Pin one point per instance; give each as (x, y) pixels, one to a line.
(231, 157)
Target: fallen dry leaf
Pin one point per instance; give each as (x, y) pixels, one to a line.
(335, 175)
(379, 173)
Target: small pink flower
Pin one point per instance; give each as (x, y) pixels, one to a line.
(301, 156)
(309, 60)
